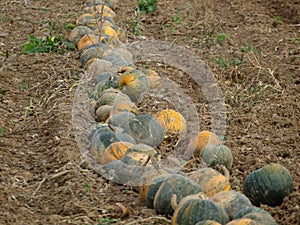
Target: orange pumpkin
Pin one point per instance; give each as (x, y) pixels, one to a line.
(87, 40)
(171, 120)
(115, 151)
(201, 140)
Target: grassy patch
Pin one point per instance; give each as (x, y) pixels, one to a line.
(147, 6)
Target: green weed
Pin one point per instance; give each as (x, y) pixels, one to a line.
(222, 37)
(1, 132)
(278, 18)
(249, 48)
(46, 44)
(176, 18)
(107, 221)
(221, 62)
(147, 6)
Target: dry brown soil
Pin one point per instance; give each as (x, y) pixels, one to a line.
(43, 178)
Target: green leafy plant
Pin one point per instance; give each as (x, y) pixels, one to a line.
(176, 18)
(249, 48)
(222, 37)
(46, 44)
(278, 18)
(147, 6)
(221, 62)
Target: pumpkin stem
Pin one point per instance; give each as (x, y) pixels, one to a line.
(174, 201)
(225, 171)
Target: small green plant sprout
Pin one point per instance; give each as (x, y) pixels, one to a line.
(107, 221)
(249, 48)
(176, 18)
(221, 38)
(147, 6)
(1, 132)
(87, 187)
(221, 62)
(278, 18)
(46, 44)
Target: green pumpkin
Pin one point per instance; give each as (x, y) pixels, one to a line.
(77, 33)
(248, 210)
(232, 201)
(177, 184)
(99, 128)
(122, 173)
(134, 83)
(146, 129)
(268, 185)
(208, 222)
(261, 218)
(193, 209)
(243, 221)
(121, 120)
(109, 96)
(139, 155)
(217, 154)
(102, 113)
(100, 142)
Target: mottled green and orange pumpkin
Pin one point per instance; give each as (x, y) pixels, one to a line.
(124, 106)
(102, 113)
(260, 218)
(139, 155)
(195, 208)
(232, 201)
(133, 83)
(268, 185)
(115, 151)
(110, 96)
(177, 184)
(145, 129)
(172, 121)
(244, 221)
(153, 78)
(208, 222)
(86, 41)
(250, 209)
(77, 33)
(202, 139)
(210, 180)
(217, 154)
(99, 9)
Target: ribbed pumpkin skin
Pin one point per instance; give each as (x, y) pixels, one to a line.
(244, 221)
(146, 129)
(176, 184)
(133, 83)
(193, 209)
(102, 113)
(124, 106)
(139, 155)
(109, 97)
(232, 201)
(77, 33)
(121, 119)
(98, 128)
(201, 140)
(172, 121)
(210, 180)
(153, 78)
(110, 82)
(217, 155)
(261, 218)
(115, 151)
(87, 40)
(208, 222)
(148, 177)
(241, 213)
(268, 185)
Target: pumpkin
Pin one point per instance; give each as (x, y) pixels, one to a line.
(133, 83)
(110, 96)
(145, 129)
(110, 82)
(202, 139)
(268, 185)
(120, 120)
(77, 33)
(102, 113)
(243, 221)
(88, 54)
(122, 173)
(139, 155)
(232, 201)
(214, 155)
(260, 218)
(194, 208)
(104, 76)
(96, 66)
(99, 128)
(210, 180)
(153, 78)
(171, 120)
(248, 210)
(119, 57)
(153, 188)
(147, 180)
(87, 40)
(124, 106)
(100, 142)
(115, 151)
(208, 222)
(177, 184)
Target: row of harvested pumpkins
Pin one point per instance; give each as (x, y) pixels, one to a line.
(124, 140)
